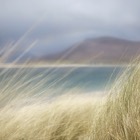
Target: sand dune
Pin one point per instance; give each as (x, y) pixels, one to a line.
(71, 117)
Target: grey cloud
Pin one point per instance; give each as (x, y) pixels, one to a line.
(69, 20)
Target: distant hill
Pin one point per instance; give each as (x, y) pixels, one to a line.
(105, 50)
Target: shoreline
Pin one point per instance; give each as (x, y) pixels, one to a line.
(60, 66)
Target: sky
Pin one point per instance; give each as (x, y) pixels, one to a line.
(58, 24)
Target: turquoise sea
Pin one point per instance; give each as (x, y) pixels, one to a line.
(87, 79)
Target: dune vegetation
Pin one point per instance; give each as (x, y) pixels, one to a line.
(30, 112)
(33, 116)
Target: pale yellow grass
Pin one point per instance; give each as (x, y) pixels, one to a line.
(116, 116)
(68, 118)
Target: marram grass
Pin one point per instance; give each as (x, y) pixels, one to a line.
(27, 113)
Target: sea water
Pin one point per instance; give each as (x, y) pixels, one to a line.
(87, 79)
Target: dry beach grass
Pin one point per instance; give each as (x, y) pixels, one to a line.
(116, 116)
